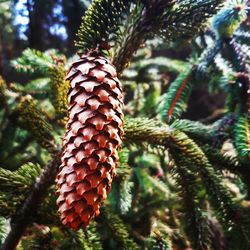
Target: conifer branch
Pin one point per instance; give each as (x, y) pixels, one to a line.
(161, 63)
(177, 96)
(101, 24)
(148, 22)
(236, 55)
(146, 130)
(160, 240)
(229, 163)
(3, 100)
(195, 130)
(208, 56)
(242, 37)
(31, 205)
(86, 239)
(219, 197)
(188, 18)
(3, 229)
(59, 91)
(196, 221)
(17, 182)
(218, 239)
(152, 17)
(33, 120)
(218, 194)
(191, 150)
(34, 62)
(215, 133)
(222, 162)
(172, 19)
(242, 138)
(5, 108)
(118, 229)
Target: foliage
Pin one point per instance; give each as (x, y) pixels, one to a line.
(180, 183)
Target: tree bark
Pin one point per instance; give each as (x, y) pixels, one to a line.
(1, 55)
(74, 11)
(37, 15)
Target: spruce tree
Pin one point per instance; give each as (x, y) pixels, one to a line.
(95, 151)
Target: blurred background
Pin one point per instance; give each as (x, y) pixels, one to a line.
(38, 24)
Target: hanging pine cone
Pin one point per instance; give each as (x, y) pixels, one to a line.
(92, 140)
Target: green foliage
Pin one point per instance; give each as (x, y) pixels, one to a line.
(143, 130)
(3, 229)
(188, 17)
(161, 63)
(219, 197)
(243, 37)
(178, 186)
(177, 97)
(195, 129)
(7, 31)
(21, 178)
(121, 193)
(196, 221)
(148, 183)
(34, 120)
(171, 19)
(242, 138)
(221, 200)
(59, 91)
(34, 62)
(118, 230)
(48, 70)
(83, 240)
(222, 162)
(100, 23)
(229, 19)
(160, 241)
(39, 238)
(15, 187)
(145, 22)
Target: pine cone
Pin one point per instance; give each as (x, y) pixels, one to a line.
(92, 140)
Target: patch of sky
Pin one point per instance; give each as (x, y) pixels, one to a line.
(59, 29)
(22, 20)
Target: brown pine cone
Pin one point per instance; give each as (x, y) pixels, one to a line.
(92, 140)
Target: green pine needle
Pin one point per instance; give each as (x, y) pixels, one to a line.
(242, 138)
(218, 195)
(3, 229)
(195, 130)
(242, 37)
(100, 23)
(228, 20)
(177, 97)
(188, 17)
(34, 62)
(196, 221)
(15, 186)
(118, 229)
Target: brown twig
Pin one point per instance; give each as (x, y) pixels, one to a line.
(30, 207)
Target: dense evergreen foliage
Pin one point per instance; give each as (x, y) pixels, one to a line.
(181, 183)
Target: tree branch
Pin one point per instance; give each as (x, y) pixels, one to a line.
(30, 207)
(148, 23)
(145, 130)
